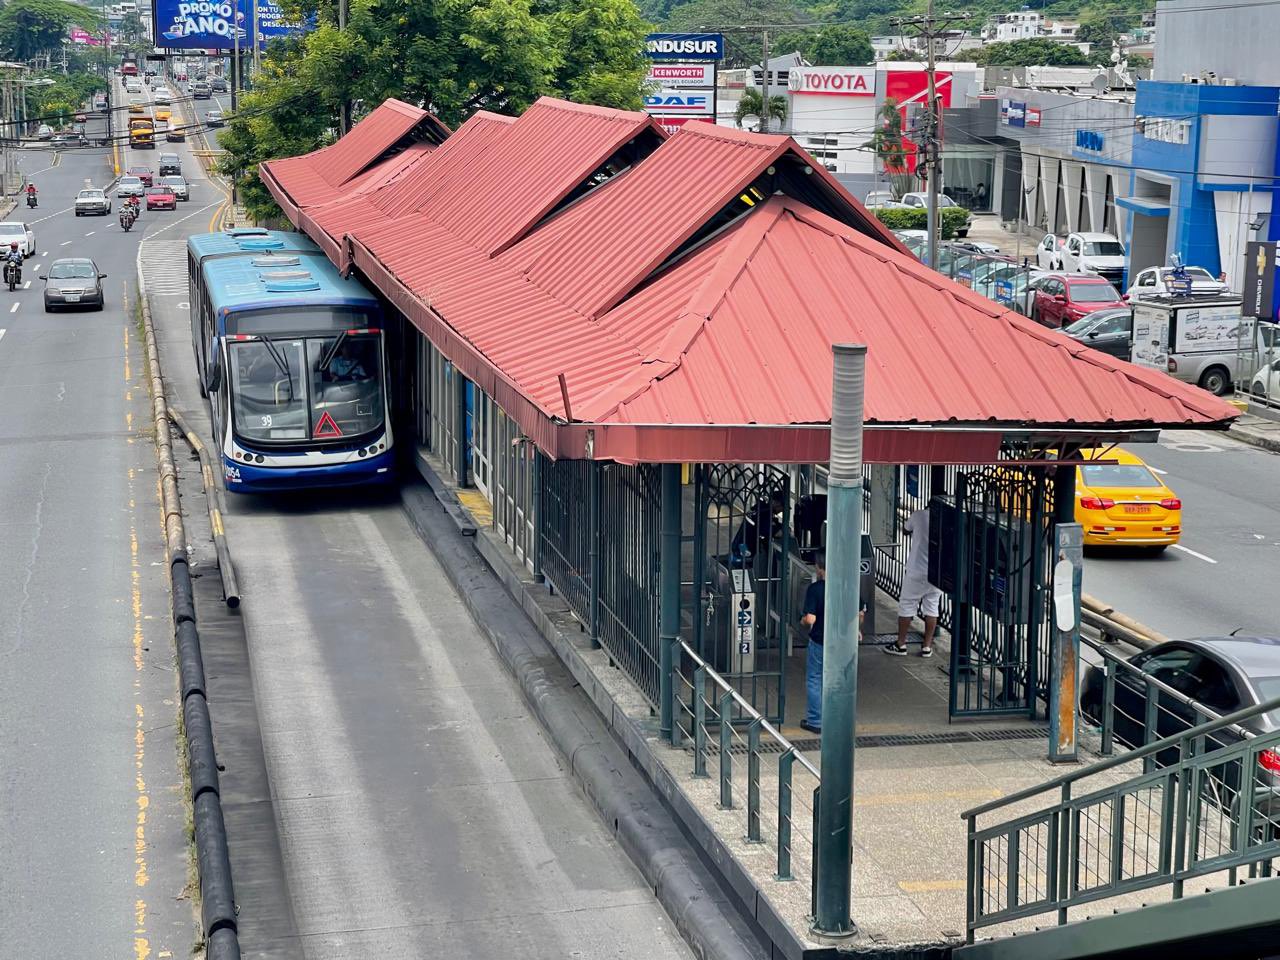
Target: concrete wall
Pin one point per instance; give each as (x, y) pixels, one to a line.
(1230, 38)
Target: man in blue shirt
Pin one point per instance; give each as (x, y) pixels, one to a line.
(814, 607)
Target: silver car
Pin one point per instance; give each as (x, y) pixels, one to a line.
(178, 185)
(73, 282)
(130, 187)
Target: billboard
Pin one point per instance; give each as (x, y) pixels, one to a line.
(910, 87)
(683, 74)
(207, 24)
(833, 81)
(684, 46)
(681, 103)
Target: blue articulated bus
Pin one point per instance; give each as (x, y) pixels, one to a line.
(292, 359)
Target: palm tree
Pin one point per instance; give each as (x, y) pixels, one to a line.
(752, 104)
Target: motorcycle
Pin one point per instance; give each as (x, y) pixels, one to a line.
(12, 275)
(127, 217)
(31, 200)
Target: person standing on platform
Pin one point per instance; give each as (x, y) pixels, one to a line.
(918, 594)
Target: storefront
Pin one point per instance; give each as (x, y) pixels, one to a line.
(1204, 174)
(1076, 157)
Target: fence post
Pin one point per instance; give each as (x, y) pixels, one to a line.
(1149, 724)
(668, 592)
(699, 722)
(538, 576)
(753, 781)
(1109, 709)
(726, 757)
(1064, 649)
(785, 763)
(675, 658)
(460, 428)
(593, 554)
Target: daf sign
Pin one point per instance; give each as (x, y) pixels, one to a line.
(685, 46)
(685, 103)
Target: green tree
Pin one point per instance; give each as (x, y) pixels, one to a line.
(838, 45)
(903, 54)
(1036, 52)
(29, 28)
(453, 58)
(743, 48)
(1138, 61)
(752, 104)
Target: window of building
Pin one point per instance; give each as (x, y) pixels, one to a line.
(969, 180)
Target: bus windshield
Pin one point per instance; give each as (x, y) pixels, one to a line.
(307, 388)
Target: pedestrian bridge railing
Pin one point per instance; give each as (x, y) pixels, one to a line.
(1200, 804)
(768, 792)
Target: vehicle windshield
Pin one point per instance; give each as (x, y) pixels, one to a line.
(91, 194)
(1195, 273)
(14, 228)
(68, 271)
(945, 201)
(1118, 475)
(1094, 293)
(318, 388)
(1103, 248)
(151, 191)
(173, 181)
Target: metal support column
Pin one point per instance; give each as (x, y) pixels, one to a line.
(459, 428)
(1064, 650)
(834, 839)
(536, 508)
(668, 592)
(593, 546)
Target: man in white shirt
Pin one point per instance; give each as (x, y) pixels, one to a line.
(918, 594)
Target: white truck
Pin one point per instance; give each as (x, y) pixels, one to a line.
(1200, 340)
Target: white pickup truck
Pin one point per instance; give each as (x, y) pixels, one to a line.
(1200, 340)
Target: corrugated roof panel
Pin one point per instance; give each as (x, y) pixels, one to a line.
(368, 140)
(938, 353)
(606, 244)
(548, 152)
(464, 147)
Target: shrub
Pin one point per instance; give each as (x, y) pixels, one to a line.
(915, 218)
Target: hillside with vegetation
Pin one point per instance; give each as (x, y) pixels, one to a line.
(1099, 24)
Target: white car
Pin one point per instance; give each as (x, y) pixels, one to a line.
(214, 118)
(92, 201)
(1152, 282)
(882, 199)
(11, 230)
(161, 96)
(1266, 383)
(920, 201)
(1100, 254)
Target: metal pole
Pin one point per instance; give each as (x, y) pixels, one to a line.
(344, 109)
(933, 157)
(765, 84)
(840, 645)
(256, 41)
(235, 59)
(1064, 653)
(669, 593)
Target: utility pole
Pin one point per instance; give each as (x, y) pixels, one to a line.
(765, 85)
(256, 63)
(344, 109)
(931, 29)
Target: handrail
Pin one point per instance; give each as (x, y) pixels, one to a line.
(751, 711)
(1150, 749)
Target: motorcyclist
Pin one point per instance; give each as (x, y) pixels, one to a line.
(31, 194)
(14, 257)
(127, 216)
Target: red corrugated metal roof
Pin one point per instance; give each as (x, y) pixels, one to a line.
(316, 176)
(753, 344)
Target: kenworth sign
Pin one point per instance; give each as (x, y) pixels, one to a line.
(685, 46)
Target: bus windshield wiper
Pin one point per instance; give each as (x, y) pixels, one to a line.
(333, 352)
(281, 361)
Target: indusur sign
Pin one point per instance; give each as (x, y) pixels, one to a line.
(685, 46)
(833, 81)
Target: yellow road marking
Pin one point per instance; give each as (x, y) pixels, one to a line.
(930, 886)
(128, 374)
(217, 214)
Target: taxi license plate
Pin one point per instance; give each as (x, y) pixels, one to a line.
(73, 298)
(1137, 508)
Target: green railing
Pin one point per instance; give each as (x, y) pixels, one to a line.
(1204, 804)
(771, 790)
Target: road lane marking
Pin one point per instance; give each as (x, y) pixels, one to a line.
(26, 284)
(65, 243)
(1163, 473)
(14, 308)
(91, 233)
(1198, 556)
(1, 333)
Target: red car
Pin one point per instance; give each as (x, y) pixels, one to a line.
(142, 173)
(161, 198)
(1063, 298)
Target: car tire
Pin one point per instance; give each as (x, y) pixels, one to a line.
(78, 213)
(48, 308)
(1216, 380)
(101, 305)
(1156, 551)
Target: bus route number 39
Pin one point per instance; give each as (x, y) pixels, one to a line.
(266, 421)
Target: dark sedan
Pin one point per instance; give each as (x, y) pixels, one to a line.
(1108, 331)
(73, 282)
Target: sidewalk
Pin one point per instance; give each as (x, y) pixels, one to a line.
(1257, 431)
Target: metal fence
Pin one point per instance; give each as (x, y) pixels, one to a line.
(629, 497)
(1001, 278)
(1189, 805)
(565, 522)
(765, 785)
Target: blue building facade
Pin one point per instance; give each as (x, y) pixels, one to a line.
(1205, 163)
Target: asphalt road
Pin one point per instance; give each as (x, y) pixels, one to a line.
(1219, 578)
(421, 811)
(93, 847)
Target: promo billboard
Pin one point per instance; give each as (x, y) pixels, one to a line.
(212, 24)
(832, 81)
(684, 46)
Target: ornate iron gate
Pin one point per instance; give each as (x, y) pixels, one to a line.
(740, 525)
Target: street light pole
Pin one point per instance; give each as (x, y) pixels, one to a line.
(840, 645)
(344, 109)
(933, 150)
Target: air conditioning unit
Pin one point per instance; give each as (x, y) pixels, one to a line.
(1229, 82)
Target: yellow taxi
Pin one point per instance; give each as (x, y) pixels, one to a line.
(137, 107)
(1123, 502)
(163, 113)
